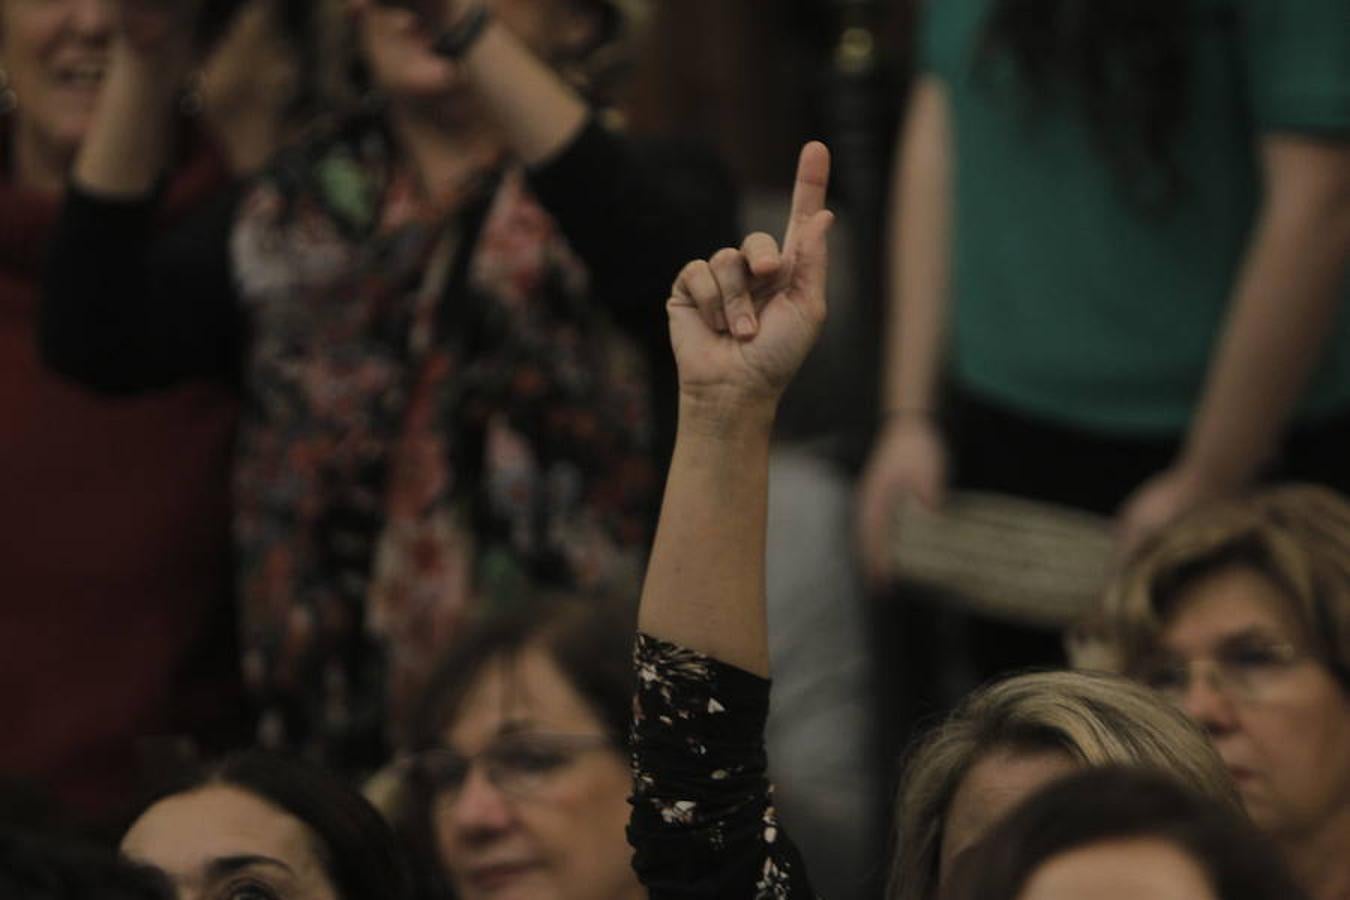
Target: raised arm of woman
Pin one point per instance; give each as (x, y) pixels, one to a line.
(128, 147)
(123, 310)
(634, 210)
(537, 111)
(740, 325)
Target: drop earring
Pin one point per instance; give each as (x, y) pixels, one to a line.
(190, 102)
(9, 101)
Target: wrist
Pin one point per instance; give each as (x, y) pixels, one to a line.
(466, 26)
(1203, 476)
(1218, 469)
(730, 417)
(905, 419)
(922, 415)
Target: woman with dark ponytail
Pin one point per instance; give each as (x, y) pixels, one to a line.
(1120, 260)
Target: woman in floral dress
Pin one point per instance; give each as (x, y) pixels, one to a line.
(438, 312)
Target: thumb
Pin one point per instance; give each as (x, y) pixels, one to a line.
(931, 496)
(930, 489)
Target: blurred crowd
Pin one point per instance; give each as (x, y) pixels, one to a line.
(413, 483)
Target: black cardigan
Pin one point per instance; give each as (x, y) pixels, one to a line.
(126, 311)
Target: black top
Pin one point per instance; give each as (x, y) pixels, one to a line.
(127, 311)
(703, 821)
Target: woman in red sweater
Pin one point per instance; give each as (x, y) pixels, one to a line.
(114, 545)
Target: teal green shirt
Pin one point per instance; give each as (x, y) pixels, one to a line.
(1072, 304)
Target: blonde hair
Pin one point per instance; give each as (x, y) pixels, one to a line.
(1298, 536)
(1094, 718)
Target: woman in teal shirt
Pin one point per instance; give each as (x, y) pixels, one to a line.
(1122, 234)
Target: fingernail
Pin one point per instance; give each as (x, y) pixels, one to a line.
(745, 327)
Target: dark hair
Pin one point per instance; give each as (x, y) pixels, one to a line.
(34, 869)
(1119, 803)
(590, 640)
(1122, 64)
(356, 847)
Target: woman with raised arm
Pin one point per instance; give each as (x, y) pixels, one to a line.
(740, 324)
(438, 311)
(703, 822)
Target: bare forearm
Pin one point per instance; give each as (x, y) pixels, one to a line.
(919, 275)
(537, 112)
(129, 143)
(1286, 303)
(705, 581)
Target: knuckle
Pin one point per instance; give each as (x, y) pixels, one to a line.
(691, 268)
(726, 257)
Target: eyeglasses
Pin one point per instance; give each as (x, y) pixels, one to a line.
(519, 765)
(1247, 670)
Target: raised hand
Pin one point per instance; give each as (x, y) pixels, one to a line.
(742, 322)
(908, 462)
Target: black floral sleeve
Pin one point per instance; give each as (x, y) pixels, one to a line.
(703, 821)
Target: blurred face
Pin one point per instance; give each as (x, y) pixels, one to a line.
(532, 799)
(222, 843)
(1120, 870)
(55, 53)
(1235, 658)
(993, 787)
(395, 43)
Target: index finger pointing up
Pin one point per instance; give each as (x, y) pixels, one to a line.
(808, 193)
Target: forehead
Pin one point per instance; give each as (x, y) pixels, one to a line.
(1120, 870)
(182, 834)
(998, 782)
(526, 689)
(1228, 602)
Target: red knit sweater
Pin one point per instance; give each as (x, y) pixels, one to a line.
(115, 619)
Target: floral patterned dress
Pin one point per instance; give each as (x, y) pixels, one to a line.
(703, 821)
(440, 420)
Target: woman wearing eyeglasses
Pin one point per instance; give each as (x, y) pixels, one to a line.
(1241, 614)
(518, 781)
